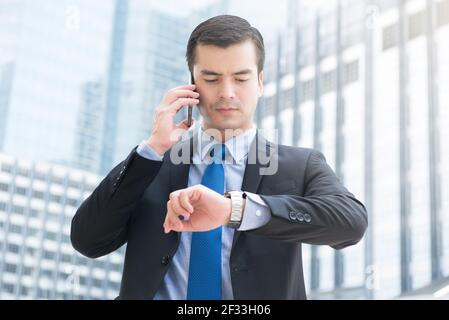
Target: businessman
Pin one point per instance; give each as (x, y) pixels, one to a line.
(222, 213)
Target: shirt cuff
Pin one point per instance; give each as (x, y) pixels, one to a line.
(256, 213)
(145, 151)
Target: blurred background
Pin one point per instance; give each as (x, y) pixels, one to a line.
(364, 81)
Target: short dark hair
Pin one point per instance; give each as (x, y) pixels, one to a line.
(224, 31)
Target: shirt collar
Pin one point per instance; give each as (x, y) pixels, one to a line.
(237, 147)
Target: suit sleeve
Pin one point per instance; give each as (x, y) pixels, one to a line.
(100, 223)
(327, 214)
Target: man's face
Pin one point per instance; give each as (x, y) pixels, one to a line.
(228, 84)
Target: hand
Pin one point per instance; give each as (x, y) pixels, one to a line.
(165, 132)
(204, 208)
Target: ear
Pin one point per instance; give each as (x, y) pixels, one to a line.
(260, 84)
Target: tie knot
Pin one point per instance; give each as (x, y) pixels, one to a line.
(218, 152)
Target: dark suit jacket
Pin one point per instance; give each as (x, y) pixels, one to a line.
(307, 202)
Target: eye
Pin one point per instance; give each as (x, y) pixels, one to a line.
(241, 80)
(210, 80)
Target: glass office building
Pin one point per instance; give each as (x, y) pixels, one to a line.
(55, 49)
(37, 260)
(366, 83)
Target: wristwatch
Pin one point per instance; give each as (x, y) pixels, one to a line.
(237, 206)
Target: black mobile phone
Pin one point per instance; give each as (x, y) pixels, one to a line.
(190, 108)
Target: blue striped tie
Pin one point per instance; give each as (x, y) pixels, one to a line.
(205, 255)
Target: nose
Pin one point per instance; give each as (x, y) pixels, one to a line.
(227, 91)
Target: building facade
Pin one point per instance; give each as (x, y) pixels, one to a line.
(37, 261)
(365, 82)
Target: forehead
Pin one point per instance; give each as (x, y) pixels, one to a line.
(235, 57)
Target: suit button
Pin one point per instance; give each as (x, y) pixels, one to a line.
(292, 215)
(165, 260)
(307, 217)
(300, 217)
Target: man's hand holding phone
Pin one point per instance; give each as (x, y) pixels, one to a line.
(165, 132)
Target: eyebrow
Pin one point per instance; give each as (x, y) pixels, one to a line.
(206, 72)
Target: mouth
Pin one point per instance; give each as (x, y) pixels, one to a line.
(226, 110)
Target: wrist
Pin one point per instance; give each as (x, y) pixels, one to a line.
(158, 147)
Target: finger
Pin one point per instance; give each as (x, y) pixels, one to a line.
(182, 102)
(169, 226)
(177, 94)
(177, 208)
(185, 202)
(172, 216)
(168, 223)
(184, 86)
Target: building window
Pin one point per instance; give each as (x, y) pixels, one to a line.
(72, 202)
(99, 264)
(2, 206)
(442, 13)
(328, 81)
(114, 286)
(30, 250)
(390, 36)
(8, 287)
(66, 238)
(351, 72)
(11, 268)
(416, 25)
(27, 271)
(74, 184)
(289, 97)
(18, 209)
(307, 90)
(57, 180)
(269, 106)
(49, 255)
(14, 248)
(97, 283)
(55, 198)
(47, 273)
(38, 194)
(43, 293)
(34, 213)
(21, 190)
(116, 267)
(6, 168)
(23, 171)
(40, 176)
(3, 187)
(65, 257)
(23, 291)
(50, 235)
(16, 228)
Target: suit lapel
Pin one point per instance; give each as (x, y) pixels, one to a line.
(259, 156)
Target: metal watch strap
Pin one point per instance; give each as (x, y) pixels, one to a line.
(236, 208)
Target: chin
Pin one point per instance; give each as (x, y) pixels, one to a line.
(227, 124)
